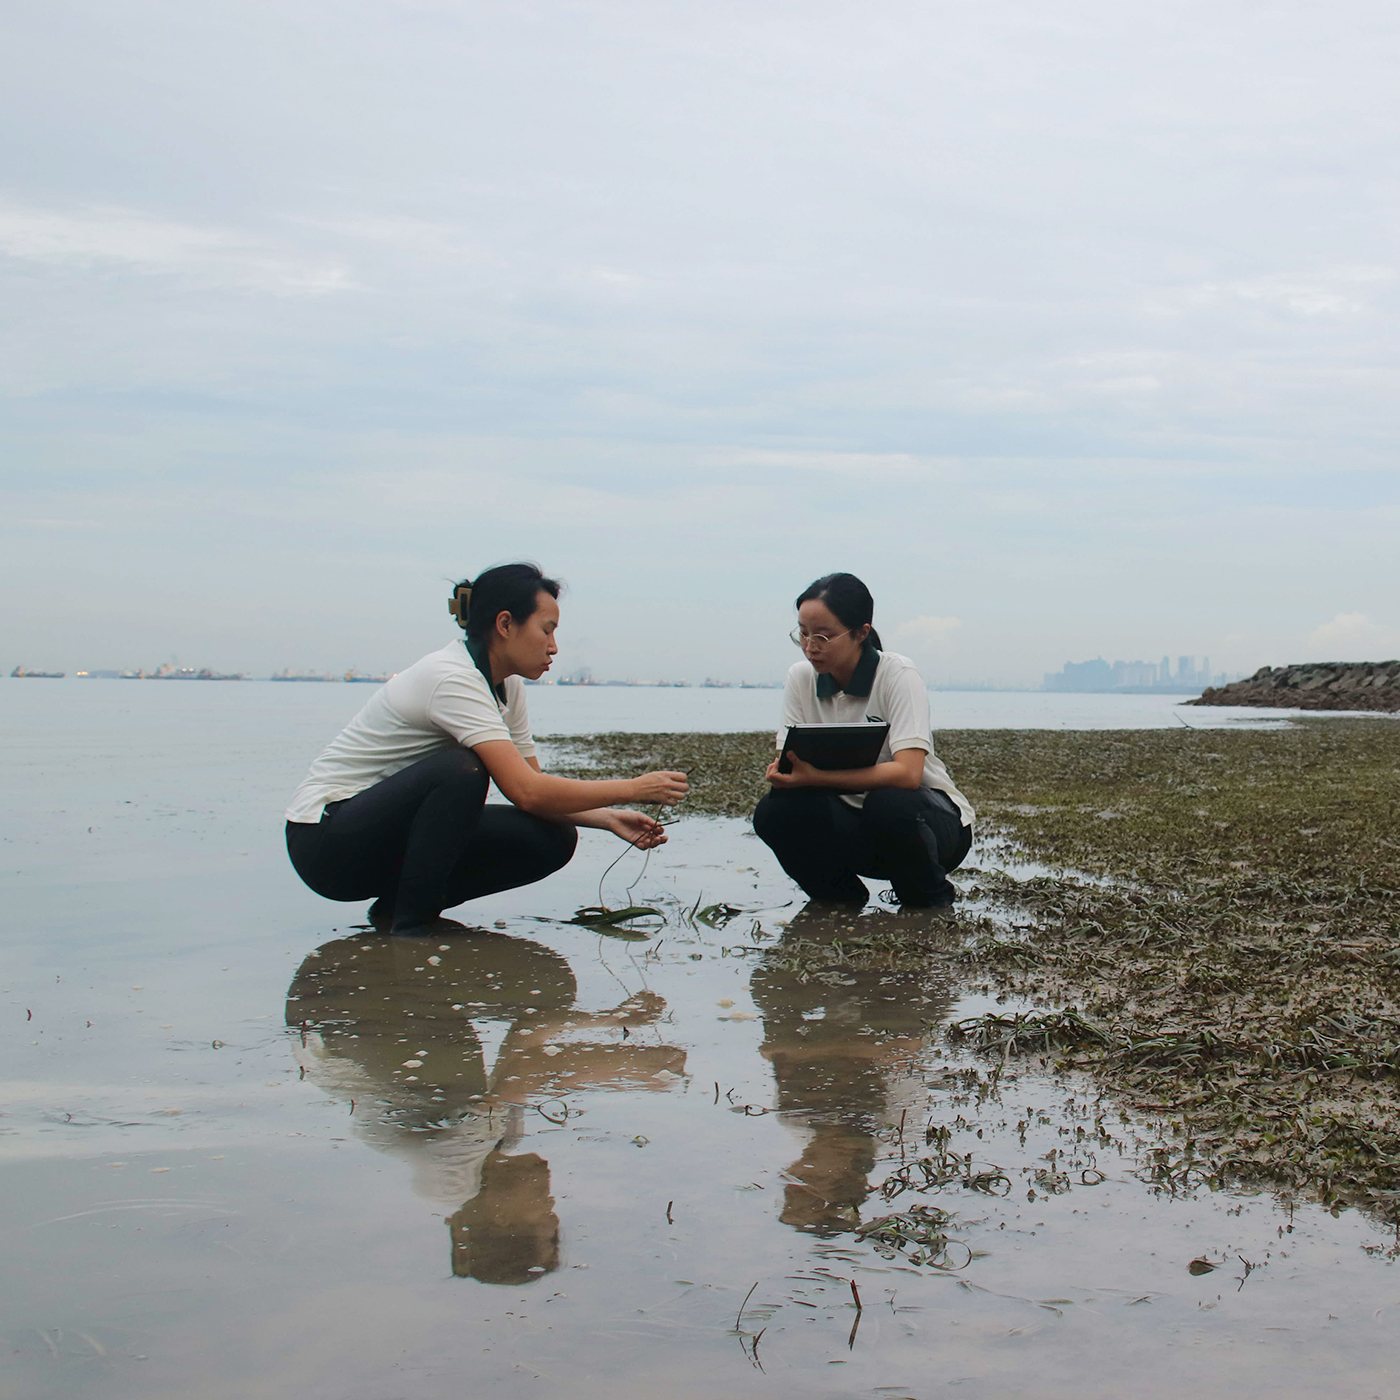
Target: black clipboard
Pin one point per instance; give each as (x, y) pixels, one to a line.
(832, 747)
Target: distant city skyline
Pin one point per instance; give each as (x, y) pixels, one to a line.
(1099, 676)
(1093, 676)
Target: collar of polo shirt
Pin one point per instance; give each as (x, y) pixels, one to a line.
(481, 654)
(862, 678)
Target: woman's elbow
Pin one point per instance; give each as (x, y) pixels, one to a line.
(523, 794)
(533, 802)
(543, 797)
(910, 777)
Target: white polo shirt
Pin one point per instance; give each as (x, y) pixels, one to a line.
(887, 690)
(442, 700)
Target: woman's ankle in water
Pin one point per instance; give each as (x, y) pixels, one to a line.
(923, 895)
(424, 926)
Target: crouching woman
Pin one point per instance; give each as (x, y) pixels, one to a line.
(394, 809)
(902, 819)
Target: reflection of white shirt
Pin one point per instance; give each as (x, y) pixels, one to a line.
(897, 696)
(439, 701)
(447, 1162)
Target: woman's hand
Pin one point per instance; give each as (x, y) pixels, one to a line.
(664, 788)
(802, 775)
(644, 832)
(904, 770)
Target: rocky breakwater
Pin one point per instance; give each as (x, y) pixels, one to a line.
(1319, 685)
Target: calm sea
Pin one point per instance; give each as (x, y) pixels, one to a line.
(249, 1149)
(302, 714)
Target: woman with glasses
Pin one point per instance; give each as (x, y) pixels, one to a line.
(394, 809)
(902, 820)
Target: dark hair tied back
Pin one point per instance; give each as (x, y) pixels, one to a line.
(512, 588)
(848, 598)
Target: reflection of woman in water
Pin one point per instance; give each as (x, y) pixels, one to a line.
(401, 1035)
(901, 820)
(394, 808)
(846, 1056)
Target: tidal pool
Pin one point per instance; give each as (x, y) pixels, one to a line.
(249, 1149)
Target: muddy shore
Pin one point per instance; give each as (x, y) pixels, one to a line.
(1211, 925)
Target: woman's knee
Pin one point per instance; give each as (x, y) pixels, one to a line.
(778, 815)
(455, 774)
(560, 843)
(459, 765)
(766, 819)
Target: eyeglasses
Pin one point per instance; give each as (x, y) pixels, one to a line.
(819, 640)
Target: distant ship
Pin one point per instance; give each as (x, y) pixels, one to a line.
(188, 673)
(20, 673)
(352, 676)
(182, 673)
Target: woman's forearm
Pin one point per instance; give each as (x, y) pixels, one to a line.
(578, 799)
(544, 795)
(881, 775)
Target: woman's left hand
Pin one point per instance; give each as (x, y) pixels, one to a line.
(642, 831)
(802, 775)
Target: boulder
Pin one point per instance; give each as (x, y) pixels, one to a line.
(1318, 685)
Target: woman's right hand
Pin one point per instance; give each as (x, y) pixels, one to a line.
(663, 788)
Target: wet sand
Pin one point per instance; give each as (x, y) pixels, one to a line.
(251, 1150)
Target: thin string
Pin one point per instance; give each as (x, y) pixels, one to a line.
(631, 845)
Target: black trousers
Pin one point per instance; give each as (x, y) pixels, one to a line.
(912, 839)
(424, 839)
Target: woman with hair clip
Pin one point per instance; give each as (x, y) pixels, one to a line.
(394, 809)
(902, 819)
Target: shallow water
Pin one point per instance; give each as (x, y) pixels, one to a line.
(223, 1177)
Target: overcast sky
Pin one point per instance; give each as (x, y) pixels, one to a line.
(1071, 328)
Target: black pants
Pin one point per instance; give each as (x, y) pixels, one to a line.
(912, 839)
(424, 839)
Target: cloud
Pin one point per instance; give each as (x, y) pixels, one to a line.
(1354, 637)
(926, 634)
(107, 236)
(1338, 291)
(855, 464)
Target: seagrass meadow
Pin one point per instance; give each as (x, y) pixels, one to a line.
(1207, 921)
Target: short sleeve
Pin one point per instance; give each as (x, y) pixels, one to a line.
(793, 709)
(909, 719)
(466, 711)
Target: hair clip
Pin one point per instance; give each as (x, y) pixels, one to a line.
(459, 604)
